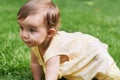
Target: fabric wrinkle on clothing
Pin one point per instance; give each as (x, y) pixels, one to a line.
(88, 57)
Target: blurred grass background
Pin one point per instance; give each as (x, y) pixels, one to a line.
(100, 18)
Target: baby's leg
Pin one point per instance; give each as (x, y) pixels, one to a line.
(112, 71)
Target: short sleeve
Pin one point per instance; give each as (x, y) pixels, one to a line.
(55, 48)
(36, 52)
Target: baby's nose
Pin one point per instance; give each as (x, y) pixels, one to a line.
(25, 35)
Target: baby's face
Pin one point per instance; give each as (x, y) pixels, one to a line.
(32, 31)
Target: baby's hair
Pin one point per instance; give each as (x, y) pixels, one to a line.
(46, 8)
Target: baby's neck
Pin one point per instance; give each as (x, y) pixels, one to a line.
(43, 47)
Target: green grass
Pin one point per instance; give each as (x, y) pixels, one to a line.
(100, 18)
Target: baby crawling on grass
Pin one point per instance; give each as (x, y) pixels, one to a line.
(74, 56)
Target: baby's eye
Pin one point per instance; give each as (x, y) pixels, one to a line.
(32, 30)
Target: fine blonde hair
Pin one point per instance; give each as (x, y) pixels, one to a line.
(46, 8)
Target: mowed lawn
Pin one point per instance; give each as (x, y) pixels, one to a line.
(100, 18)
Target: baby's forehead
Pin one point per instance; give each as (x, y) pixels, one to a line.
(33, 20)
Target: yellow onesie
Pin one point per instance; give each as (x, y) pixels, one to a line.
(88, 57)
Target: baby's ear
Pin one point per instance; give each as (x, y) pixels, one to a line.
(51, 32)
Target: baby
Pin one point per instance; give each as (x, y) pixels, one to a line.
(74, 56)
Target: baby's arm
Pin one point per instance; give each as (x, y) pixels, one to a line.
(52, 68)
(35, 67)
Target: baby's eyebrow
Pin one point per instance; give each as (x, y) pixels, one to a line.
(35, 27)
(29, 26)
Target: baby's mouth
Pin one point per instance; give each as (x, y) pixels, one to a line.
(27, 42)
